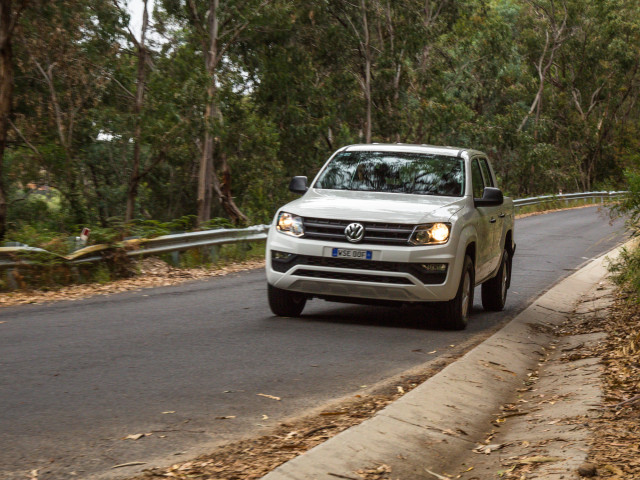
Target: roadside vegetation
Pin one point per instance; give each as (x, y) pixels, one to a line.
(626, 272)
(198, 118)
(210, 107)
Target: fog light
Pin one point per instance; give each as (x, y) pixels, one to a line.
(276, 255)
(435, 267)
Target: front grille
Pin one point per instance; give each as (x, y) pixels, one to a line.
(357, 277)
(426, 277)
(376, 233)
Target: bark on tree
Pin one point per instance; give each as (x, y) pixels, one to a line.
(65, 136)
(6, 87)
(554, 39)
(135, 177)
(367, 70)
(208, 181)
(8, 20)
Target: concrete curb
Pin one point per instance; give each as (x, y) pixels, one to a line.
(447, 416)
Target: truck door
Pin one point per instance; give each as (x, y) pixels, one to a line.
(489, 227)
(499, 214)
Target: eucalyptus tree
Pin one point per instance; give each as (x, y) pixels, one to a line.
(142, 58)
(10, 12)
(214, 28)
(65, 48)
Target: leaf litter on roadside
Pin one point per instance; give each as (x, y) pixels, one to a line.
(616, 445)
(153, 272)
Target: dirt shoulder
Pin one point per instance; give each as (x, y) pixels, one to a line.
(615, 451)
(152, 272)
(577, 415)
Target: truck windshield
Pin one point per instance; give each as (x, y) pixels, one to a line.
(395, 172)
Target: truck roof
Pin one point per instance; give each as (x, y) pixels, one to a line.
(406, 147)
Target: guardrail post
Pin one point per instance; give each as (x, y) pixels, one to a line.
(175, 258)
(11, 278)
(214, 253)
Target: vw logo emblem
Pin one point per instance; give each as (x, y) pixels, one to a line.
(354, 232)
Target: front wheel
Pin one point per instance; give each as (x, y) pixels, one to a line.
(284, 303)
(457, 311)
(494, 291)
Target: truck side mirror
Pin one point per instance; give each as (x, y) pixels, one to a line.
(298, 185)
(491, 197)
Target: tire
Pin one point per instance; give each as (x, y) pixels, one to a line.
(494, 291)
(284, 303)
(457, 311)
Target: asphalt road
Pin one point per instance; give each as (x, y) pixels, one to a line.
(77, 377)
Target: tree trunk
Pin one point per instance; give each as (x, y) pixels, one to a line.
(134, 180)
(6, 91)
(208, 181)
(367, 71)
(205, 173)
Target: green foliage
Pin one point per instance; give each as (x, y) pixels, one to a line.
(40, 237)
(630, 204)
(626, 270)
(101, 274)
(290, 90)
(216, 223)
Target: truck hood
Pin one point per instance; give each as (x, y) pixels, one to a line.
(375, 206)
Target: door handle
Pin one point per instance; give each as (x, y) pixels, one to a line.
(493, 220)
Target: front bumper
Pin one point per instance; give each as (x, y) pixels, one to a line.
(396, 273)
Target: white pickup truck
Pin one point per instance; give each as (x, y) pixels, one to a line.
(394, 224)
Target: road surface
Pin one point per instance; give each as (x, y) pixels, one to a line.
(77, 377)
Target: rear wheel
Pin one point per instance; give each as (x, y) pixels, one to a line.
(284, 303)
(494, 291)
(457, 311)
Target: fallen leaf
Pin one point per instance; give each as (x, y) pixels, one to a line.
(539, 459)
(613, 469)
(265, 417)
(268, 396)
(168, 412)
(136, 436)
(487, 449)
(439, 477)
(433, 351)
(401, 390)
(227, 417)
(333, 413)
(130, 464)
(501, 473)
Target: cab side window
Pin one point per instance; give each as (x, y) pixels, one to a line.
(476, 178)
(486, 173)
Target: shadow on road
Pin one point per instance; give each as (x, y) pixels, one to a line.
(408, 317)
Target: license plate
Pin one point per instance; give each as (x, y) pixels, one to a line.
(350, 253)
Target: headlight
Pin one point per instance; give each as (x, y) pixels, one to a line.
(290, 224)
(431, 234)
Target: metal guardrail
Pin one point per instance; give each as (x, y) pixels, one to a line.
(136, 247)
(210, 238)
(566, 197)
